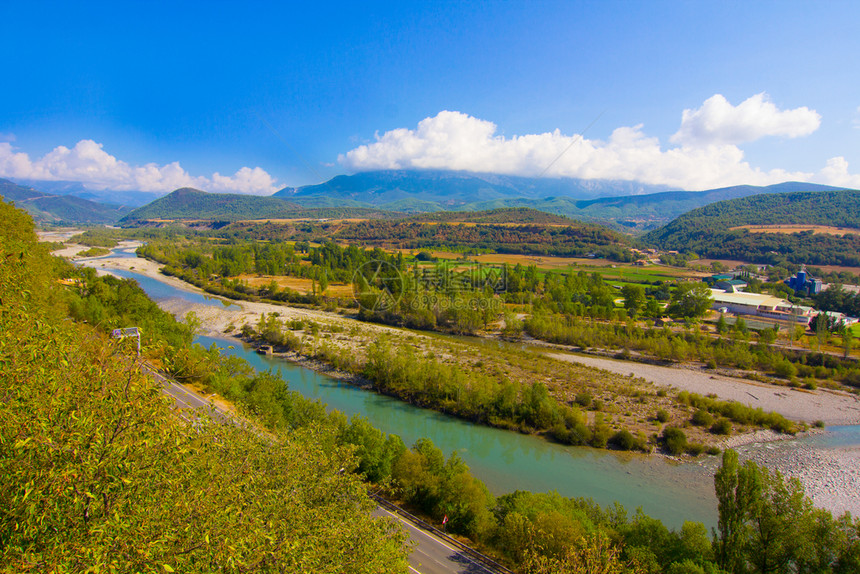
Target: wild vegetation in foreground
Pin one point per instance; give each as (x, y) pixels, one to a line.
(99, 475)
(99, 470)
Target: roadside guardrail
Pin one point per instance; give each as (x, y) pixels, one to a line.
(476, 556)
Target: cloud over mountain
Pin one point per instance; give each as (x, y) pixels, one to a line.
(707, 154)
(88, 163)
(719, 122)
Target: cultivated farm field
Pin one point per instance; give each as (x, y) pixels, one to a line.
(299, 284)
(826, 229)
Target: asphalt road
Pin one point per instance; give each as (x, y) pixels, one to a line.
(187, 399)
(432, 555)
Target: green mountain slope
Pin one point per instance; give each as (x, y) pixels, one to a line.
(59, 209)
(711, 231)
(575, 239)
(189, 203)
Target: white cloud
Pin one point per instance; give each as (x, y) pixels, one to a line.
(719, 122)
(247, 180)
(88, 163)
(836, 174)
(457, 141)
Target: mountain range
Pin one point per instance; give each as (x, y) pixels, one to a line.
(620, 204)
(77, 189)
(454, 188)
(626, 205)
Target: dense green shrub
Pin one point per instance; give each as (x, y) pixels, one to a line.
(624, 440)
(785, 369)
(702, 418)
(695, 449)
(583, 399)
(675, 440)
(722, 426)
(738, 412)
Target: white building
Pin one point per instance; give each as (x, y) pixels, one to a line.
(761, 305)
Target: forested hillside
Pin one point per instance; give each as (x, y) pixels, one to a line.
(715, 230)
(576, 239)
(663, 207)
(188, 203)
(99, 474)
(513, 215)
(522, 231)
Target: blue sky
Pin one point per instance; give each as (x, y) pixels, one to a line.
(152, 95)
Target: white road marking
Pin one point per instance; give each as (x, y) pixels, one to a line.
(437, 539)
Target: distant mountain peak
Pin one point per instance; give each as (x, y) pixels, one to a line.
(186, 191)
(456, 188)
(191, 203)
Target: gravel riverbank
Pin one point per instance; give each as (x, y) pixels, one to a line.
(828, 406)
(830, 476)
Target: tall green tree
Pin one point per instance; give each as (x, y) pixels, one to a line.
(634, 298)
(690, 299)
(767, 525)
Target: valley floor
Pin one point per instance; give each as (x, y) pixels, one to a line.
(831, 476)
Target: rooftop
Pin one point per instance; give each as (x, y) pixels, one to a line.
(754, 299)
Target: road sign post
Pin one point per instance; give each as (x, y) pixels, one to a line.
(127, 332)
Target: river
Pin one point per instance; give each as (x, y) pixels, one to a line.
(504, 460)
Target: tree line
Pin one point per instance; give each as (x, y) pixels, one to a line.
(731, 346)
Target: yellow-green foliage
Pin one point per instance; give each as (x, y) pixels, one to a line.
(94, 252)
(99, 475)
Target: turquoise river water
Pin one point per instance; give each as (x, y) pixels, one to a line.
(504, 460)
